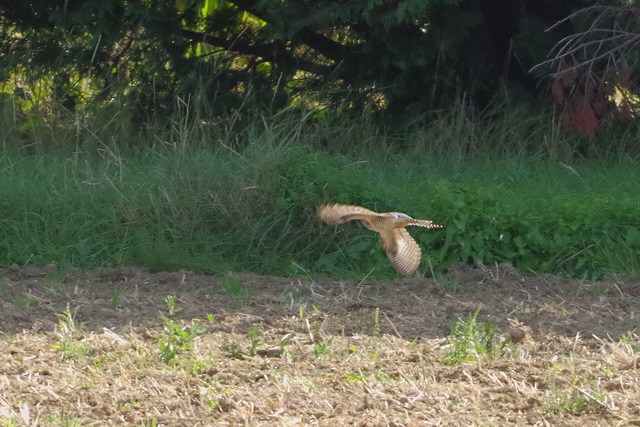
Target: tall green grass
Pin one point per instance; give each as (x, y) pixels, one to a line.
(240, 193)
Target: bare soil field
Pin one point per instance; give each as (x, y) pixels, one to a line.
(109, 347)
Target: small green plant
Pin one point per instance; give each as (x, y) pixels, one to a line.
(67, 326)
(233, 285)
(4, 286)
(66, 420)
(385, 379)
(27, 302)
(99, 363)
(67, 321)
(56, 283)
(254, 333)
(150, 422)
(9, 421)
(176, 339)
(171, 305)
(321, 348)
(359, 377)
(575, 401)
(631, 341)
(448, 284)
(70, 349)
(609, 371)
(232, 349)
(470, 339)
(116, 295)
(285, 342)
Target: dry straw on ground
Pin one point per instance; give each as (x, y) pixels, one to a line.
(82, 348)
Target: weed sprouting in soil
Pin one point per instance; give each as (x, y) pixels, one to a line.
(176, 339)
(576, 401)
(358, 377)
(26, 302)
(232, 350)
(66, 328)
(63, 419)
(116, 294)
(321, 349)
(254, 334)
(150, 422)
(56, 282)
(233, 285)
(471, 340)
(631, 341)
(9, 421)
(67, 322)
(170, 300)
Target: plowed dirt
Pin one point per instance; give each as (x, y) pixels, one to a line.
(92, 348)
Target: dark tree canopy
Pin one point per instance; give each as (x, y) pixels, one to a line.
(400, 56)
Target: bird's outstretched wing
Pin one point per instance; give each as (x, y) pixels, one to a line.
(339, 214)
(403, 252)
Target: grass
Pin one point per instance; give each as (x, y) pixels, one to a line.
(233, 285)
(66, 329)
(575, 401)
(472, 341)
(220, 195)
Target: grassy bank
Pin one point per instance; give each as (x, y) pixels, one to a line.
(240, 194)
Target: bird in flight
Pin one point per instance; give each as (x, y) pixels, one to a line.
(403, 252)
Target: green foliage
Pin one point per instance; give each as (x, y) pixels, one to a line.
(470, 341)
(632, 341)
(67, 327)
(171, 305)
(67, 324)
(220, 197)
(153, 56)
(150, 422)
(116, 295)
(321, 349)
(176, 339)
(573, 231)
(234, 286)
(232, 349)
(576, 401)
(9, 421)
(254, 334)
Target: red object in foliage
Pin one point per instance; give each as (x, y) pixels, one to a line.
(580, 118)
(557, 91)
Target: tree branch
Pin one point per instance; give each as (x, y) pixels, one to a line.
(274, 52)
(324, 45)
